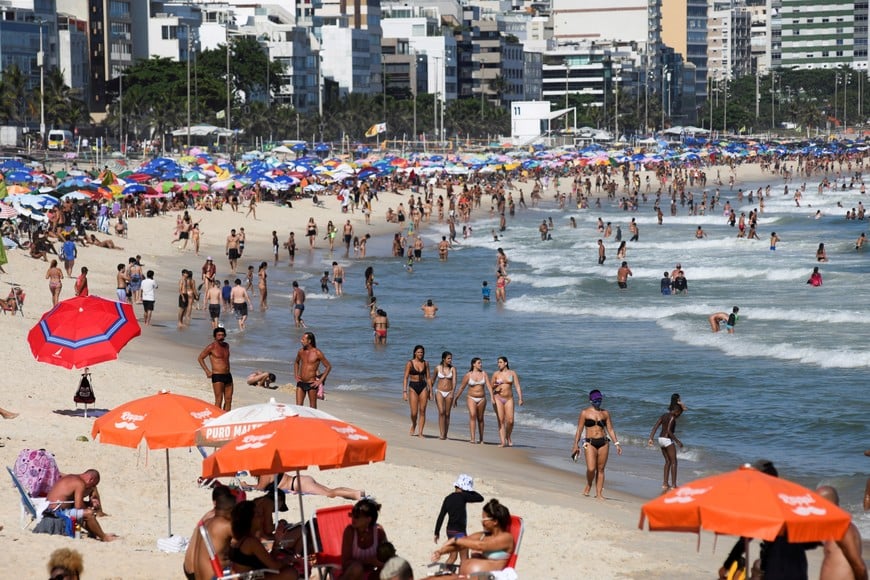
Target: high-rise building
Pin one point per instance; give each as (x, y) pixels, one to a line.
(821, 33)
(729, 54)
(684, 28)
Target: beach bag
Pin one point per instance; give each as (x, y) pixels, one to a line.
(37, 471)
(85, 393)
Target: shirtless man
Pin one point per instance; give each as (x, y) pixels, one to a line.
(622, 276)
(418, 248)
(773, 239)
(380, 324)
(337, 277)
(298, 304)
(73, 489)
(290, 244)
(197, 563)
(122, 280)
(859, 243)
(429, 309)
(719, 318)
(232, 249)
(213, 299)
(601, 255)
(240, 300)
(306, 367)
(218, 352)
(347, 232)
(843, 559)
(443, 249)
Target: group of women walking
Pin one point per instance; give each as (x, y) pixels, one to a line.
(421, 384)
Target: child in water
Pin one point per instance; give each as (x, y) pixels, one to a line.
(324, 282)
(486, 291)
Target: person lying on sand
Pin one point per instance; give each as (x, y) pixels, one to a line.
(103, 244)
(307, 484)
(263, 379)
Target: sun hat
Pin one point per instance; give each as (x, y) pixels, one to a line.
(464, 482)
(209, 259)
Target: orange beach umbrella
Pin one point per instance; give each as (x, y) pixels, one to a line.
(294, 444)
(749, 503)
(163, 421)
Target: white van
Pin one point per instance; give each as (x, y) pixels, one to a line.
(60, 140)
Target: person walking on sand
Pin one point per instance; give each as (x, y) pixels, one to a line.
(81, 287)
(475, 379)
(503, 382)
(218, 353)
(232, 250)
(668, 442)
(298, 304)
(54, 275)
(309, 379)
(416, 388)
(149, 285)
(597, 424)
(444, 388)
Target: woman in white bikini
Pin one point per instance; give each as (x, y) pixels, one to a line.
(475, 379)
(417, 380)
(445, 385)
(503, 382)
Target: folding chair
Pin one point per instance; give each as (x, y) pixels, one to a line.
(216, 565)
(31, 507)
(329, 525)
(15, 302)
(516, 530)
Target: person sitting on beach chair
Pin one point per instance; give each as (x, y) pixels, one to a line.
(14, 302)
(75, 488)
(306, 484)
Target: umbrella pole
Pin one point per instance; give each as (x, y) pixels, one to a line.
(275, 499)
(748, 565)
(304, 531)
(168, 495)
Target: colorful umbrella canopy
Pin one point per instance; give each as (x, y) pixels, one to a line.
(7, 211)
(163, 421)
(83, 331)
(749, 503)
(241, 420)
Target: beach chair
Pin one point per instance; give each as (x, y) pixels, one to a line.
(516, 529)
(329, 525)
(32, 508)
(221, 574)
(15, 302)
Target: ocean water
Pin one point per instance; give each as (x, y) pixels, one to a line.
(789, 385)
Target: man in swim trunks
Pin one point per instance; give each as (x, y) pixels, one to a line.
(213, 297)
(380, 324)
(232, 248)
(347, 232)
(601, 255)
(71, 490)
(306, 367)
(240, 301)
(298, 304)
(218, 353)
(337, 277)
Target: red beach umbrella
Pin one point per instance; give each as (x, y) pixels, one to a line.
(83, 331)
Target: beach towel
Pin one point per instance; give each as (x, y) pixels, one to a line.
(55, 524)
(37, 471)
(172, 544)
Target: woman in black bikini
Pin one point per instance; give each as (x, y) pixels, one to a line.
(247, 552)
(416, 388)
(596, 445)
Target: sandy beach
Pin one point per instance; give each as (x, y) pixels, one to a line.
(567, 535)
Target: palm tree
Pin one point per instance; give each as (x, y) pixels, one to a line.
(14, 94)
